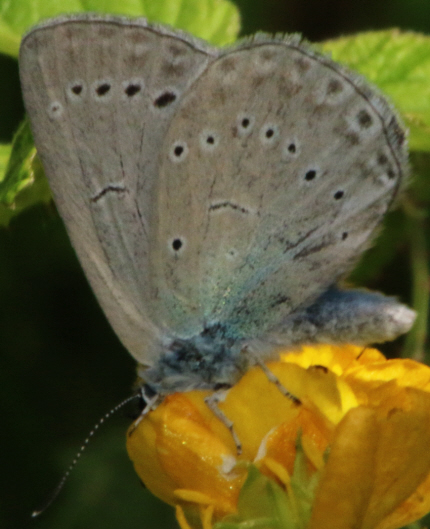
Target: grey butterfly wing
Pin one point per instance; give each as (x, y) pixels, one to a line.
(284, 164)
(100, 94)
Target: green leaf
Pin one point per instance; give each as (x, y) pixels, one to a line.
(214, 20)
(5, 150)
(265, 504)
(9, 39)
(399, 64)
(419, 187)
(24, 183)
(262, 504)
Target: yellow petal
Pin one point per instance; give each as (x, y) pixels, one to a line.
(377, 461)
(186, 449)
(345, 487)
(403, 459)
(372, 417)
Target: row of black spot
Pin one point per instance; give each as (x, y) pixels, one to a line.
(178, 150)
(311, 174)
(163, 100)
(269, 134)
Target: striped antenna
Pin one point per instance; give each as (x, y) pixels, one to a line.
(53, 496)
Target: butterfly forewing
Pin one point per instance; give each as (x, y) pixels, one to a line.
(100, 94)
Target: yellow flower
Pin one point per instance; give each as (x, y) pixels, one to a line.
(354, 453)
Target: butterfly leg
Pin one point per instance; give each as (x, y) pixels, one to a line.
(348, 316)
(272, 377)
(151, 401)
(212, 403)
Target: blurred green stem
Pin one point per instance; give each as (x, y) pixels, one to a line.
(416, 339)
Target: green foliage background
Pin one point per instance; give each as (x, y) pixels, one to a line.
(61, 366)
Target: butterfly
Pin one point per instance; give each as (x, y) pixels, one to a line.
(215, 197)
